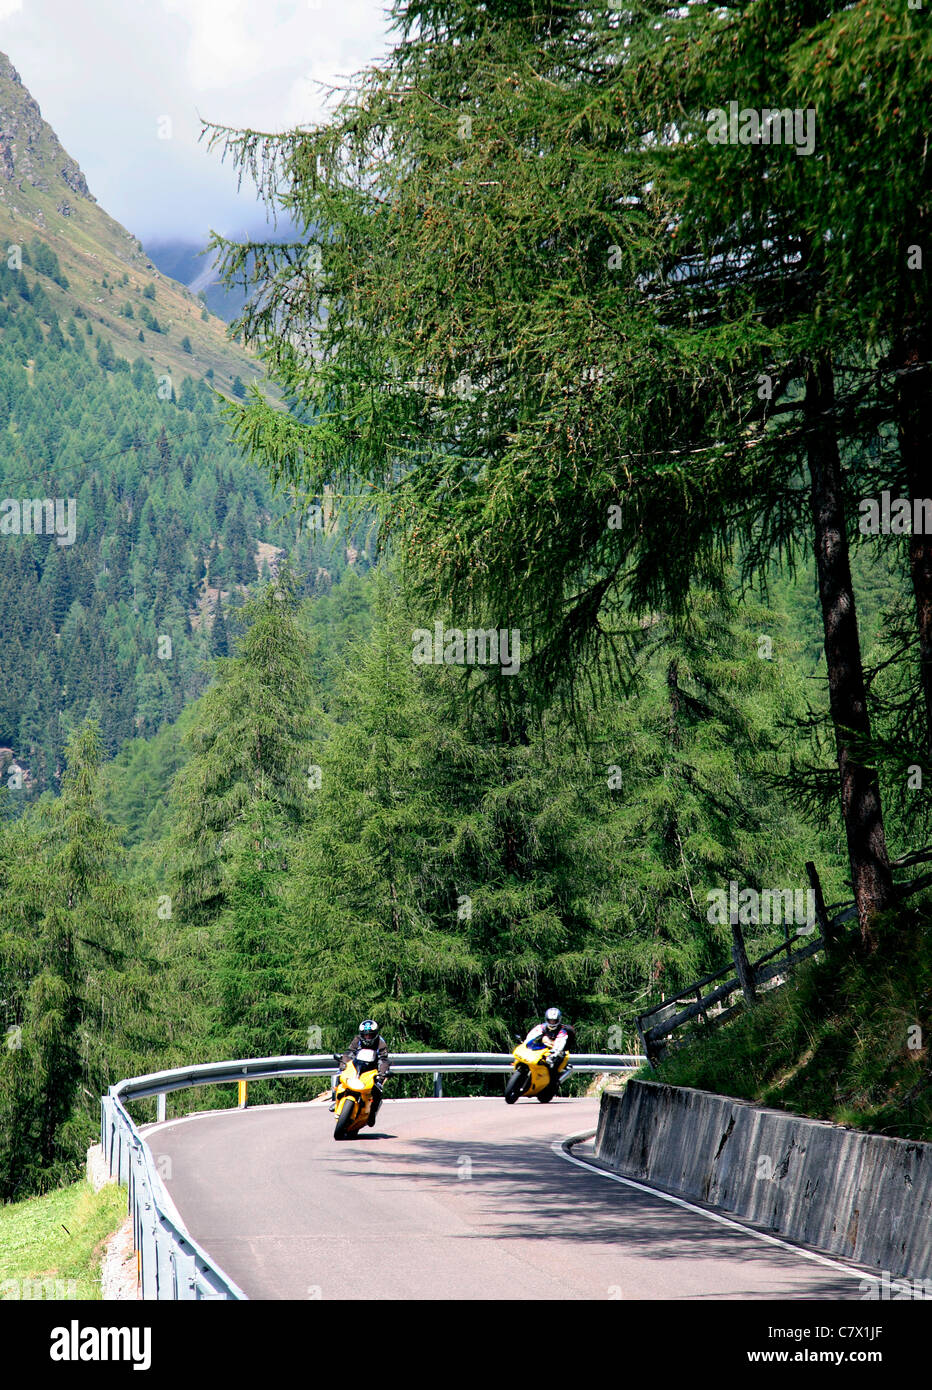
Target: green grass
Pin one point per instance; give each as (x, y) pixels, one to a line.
(838, 1042)
(51, 1246)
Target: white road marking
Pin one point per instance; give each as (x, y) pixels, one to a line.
(562, 1146)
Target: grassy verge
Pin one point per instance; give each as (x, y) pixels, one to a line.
(846, 1040)
(51, 1246)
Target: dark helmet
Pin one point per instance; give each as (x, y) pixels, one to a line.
(369, 1031)
(552, 1020)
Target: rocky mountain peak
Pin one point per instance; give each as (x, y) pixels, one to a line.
(31, 156)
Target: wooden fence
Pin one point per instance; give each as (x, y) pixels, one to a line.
(711, 1008)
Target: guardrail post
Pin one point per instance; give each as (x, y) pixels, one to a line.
(185, 1275)
(149, 1253)
(438, 1085)
(164, 1267)
(160, 1108)
(123, 1161)
(106, 1131)
(242, 1090)
(143, 1235)
(135, 1217)
(131, 1199)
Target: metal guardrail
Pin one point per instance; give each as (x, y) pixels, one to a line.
(171, 1263)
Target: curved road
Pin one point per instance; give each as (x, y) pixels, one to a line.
(452, 1199)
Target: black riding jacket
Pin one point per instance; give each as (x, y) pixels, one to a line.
(381, 1048)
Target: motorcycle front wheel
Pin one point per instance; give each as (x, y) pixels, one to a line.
(346, 1117)
(517, 1082)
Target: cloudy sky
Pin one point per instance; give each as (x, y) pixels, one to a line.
(107, 74)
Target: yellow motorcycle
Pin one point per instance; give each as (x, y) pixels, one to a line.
(354, 1095)
(531, 1076)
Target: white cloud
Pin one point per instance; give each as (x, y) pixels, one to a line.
(263, 55)
(106, 71)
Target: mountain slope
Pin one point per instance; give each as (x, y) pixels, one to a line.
(191, 263)
(109, 412)
(44, 193)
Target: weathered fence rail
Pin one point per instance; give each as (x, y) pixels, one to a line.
(657, 1024)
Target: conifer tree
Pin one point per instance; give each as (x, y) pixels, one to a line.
(73, 969)
(250, 744)
(629, 446)
(464, 870)
(259, 1012)
(219, 644)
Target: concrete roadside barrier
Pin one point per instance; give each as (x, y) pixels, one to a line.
(863, 1196)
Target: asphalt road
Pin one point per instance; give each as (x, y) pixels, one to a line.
(446, 1199)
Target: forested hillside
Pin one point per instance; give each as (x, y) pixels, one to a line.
(112, 382)
(169, 526)
(590, 623)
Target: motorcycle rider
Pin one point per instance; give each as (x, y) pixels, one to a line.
(367, 1038)
(556, 1034)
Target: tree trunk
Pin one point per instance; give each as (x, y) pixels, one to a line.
(914, 427)
(920, 564)
(670, 834)
(673, 676)
(858, 783)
